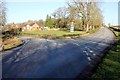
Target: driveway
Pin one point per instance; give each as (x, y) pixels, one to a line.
(43, 58)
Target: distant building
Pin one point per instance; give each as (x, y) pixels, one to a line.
(13, 26)
(24, 26)
(30, 27)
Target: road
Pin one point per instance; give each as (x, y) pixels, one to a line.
(43, 58)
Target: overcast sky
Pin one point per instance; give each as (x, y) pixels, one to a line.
(23, 11)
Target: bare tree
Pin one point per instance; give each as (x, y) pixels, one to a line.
(88, 12)
(80, 10)
(96, 17)
(60, 16)
(60, 12)
(2, 13)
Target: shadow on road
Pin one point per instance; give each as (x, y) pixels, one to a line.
(43, 58)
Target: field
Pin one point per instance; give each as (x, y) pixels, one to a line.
(110, 67)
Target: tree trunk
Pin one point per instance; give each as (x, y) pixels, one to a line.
(93, 27)
(87, 28)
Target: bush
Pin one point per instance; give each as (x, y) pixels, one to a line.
(10, 33)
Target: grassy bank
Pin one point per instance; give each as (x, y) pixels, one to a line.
(11, 43)
(110, 67)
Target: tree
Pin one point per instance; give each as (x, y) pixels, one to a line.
(88, 12)
(79, 9)
(30, 22)
(48, 21)
(2, 13)
(60, 13)
(60, 17)
(96, 17)
(40, 23)
(78, 24)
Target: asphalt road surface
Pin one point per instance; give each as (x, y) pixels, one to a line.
(43, 58)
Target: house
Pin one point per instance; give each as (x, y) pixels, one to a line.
(14, 26)
(29, 27)
(11, 26)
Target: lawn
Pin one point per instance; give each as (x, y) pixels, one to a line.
(110, 67)
(52, 34)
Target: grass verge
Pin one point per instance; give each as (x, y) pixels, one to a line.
(11, 43)
(110, 67)
(53, 34)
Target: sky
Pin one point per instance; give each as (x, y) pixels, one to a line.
(19, 12)
(110, 12)
(24, 11)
